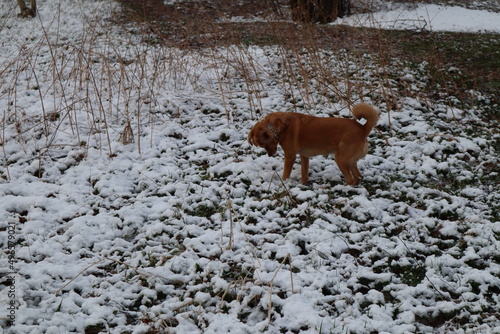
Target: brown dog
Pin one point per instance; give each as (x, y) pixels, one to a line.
(309, 136)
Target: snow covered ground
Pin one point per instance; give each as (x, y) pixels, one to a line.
(188, 229)
(428, 17)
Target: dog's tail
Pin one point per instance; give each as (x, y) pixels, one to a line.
(366, 111)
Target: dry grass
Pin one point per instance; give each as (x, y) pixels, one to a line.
(205, 25)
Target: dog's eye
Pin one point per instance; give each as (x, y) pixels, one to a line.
(265, 135)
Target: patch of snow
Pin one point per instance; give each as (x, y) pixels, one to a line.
(428, 17)
(189, 228)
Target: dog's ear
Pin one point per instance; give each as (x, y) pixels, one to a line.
(253, 136)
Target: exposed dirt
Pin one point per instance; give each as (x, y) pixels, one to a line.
(207, 23)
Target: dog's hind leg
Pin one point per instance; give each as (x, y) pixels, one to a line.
(355, 171)
(304, 165)
(345, 167)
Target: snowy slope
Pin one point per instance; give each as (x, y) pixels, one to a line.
(188, 229)
(428, 17)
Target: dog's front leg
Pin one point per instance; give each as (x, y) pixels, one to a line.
(304, 162)
(289, 161)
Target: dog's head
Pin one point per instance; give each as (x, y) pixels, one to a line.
(266, 134)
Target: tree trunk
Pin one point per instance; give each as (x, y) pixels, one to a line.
(25, 11)
(322, 11)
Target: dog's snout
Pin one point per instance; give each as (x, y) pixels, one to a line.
(271, 150)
